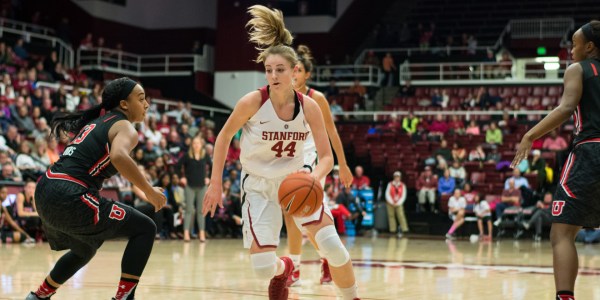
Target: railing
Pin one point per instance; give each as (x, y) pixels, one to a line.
(374, 115)
(346, 74)
(167, 103)
(540, 28)
(66, 54)
(131, 64)
(547, 70)
(408, 52)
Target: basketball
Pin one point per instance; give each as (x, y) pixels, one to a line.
(300, 195)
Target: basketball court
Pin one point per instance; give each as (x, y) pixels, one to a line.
(386, 268)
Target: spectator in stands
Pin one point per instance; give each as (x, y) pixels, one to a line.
(332, 90)
(444, 151)
(168, 211)
(459, 153)
(9, 173)
(505, 63)
(538, 167)
(78, 77)
(469, 102)
(471, 45)
(456, 212)
(13, 138)
(441, 166)
(335, 108)
(42, 130)
(19, 49)
(456, 125)
(555, 142)
(473, 128)
(458, 172)
(10, 231)
(234, 151)
(354, 206)
(493, 156)
(426, 186)
(436, 98)
(150, 154)
(395, 195)
(164, 126)
(360, 181)
(438, 127)
(407, 90)
(493, 135)
(445, 98)
(335, 182)
(484, 215)
(446, 184)
(87, 43)
(410, 123)
(389, 68)
(41, 74)
(511, 196)
(84, 103)
(470, 195)
(179, 112)
(52, 150)
(152, 133)
(357, 89)
(23, 121)
(541, 216)
(26, 164)
(518, 179)
(371, 59)
(393, 125)
(477, 154)
(72, 100)
(40, 155)
(26, 213)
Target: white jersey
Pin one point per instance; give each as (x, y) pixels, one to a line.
(309, 144)
(271, 147)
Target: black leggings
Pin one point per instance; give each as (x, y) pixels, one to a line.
(138, 228)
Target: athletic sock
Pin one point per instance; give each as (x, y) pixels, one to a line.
(45, 290)
(295, 260)
(349, 293)
(452, 229)
(565, 295)
(126, 287)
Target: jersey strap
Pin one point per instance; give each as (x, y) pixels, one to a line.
(264, 94)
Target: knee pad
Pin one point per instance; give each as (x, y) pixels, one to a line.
(331, 246)
(264, 264)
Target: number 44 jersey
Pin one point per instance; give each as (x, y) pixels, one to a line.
(271, 147)
(87, 157)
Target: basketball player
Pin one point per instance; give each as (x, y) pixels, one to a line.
(576, 202)
(67, 197)
(301, 75)
(273, 135)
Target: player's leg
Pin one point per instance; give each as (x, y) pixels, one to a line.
(294, 239)
(565, 260)
(141, 231)
(330, 245)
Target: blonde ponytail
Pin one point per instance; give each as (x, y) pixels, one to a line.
(267, 30)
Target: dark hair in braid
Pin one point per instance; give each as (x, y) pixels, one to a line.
(591, 32)
(114, 92)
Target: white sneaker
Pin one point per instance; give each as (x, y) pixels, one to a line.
(450, 236)
(497, 222)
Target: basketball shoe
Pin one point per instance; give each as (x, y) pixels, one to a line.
(278, 289)
(33, 296)
(325, 274)
(294, 278)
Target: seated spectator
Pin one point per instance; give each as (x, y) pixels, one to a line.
(505, 63)
(27, 165)
(10, 231)
(395, 195)
(42, 130)
(26, 214)
(410, 123)
(407, 90)
(477, 154)
(233, 153)
(179, 112)
(152, 132)
(458, 152)
(150, 153)
(541, 216)
(19, 50)
(493, 135)
(555, 142)
(164, 125)
(538, 167)
(484, 215)
(456, 212)
(508, 123)
(357, 88)
(456, 125)
(445, 98)
(40, 154)
(518, 179)
(354, 206)
(493, 156)
(438, 127)
(458, 172)
(23, 121)
(436, 98)
(361, 181)
(393, 125)
(446, 184)
(335, 108)
(426, 186)
(441, 167)
(87, 43)
(332, 90)
(335, 182)
(511, 196)
(469, 102)
(470, 195)
(52, 149)
(588, 236)
(444, 151)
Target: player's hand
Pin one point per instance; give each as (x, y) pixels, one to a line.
(522, 151)
(157, 198)
(346, 175)
(307, 171)
(212, 199)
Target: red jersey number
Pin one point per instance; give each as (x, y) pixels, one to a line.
(279, 149)
(83, 134)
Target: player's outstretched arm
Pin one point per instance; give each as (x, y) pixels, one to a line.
(315, 119)
(243, 111)
(573, 85)
(334, 137)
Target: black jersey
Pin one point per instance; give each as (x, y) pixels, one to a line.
(587, 115)
(87, 158)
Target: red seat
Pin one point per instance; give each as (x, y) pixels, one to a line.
(539, 91)
(523, 91)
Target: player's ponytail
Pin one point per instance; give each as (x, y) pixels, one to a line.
(114, 92)
(305, 58)
(591, 32)
(268, 32)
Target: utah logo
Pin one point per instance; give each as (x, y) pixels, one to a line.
(557, 207)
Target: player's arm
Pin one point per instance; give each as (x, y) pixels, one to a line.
(334, 137)
(123, 139)
(20, 209)
(242, 112)
(313, 115)
(573, 86)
